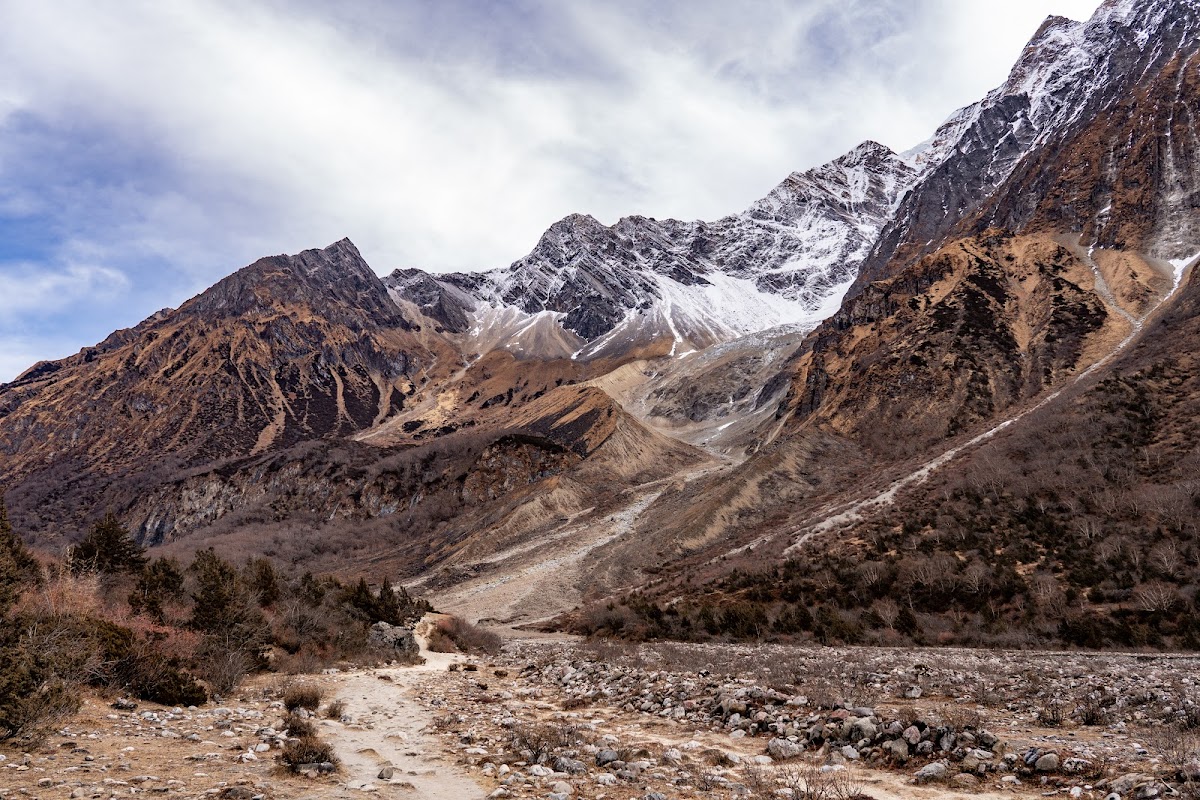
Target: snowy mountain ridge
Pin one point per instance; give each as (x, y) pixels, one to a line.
(786, 260)
(588, 290)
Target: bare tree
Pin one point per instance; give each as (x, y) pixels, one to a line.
(1156, 596)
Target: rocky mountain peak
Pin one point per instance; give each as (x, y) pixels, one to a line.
(641, 280)
(334, 280)
(1071, 77)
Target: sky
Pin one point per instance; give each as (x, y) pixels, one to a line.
(148, 149)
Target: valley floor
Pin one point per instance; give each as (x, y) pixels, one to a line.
(456, 727)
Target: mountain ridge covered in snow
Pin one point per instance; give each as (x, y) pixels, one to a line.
(786, 260)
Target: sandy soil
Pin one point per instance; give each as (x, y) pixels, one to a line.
(389, 729)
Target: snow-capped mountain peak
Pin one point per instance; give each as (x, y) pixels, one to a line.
(786, 260)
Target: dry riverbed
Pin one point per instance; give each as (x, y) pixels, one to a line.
(569, 720)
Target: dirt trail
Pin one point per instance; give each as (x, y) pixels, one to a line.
(832, 519)
(387, 728)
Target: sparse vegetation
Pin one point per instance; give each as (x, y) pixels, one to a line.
(538, 742)
(303, 695)
(156, 630)
(454, 634)
(307, 751)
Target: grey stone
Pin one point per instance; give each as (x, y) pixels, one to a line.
(1047, 763)
(393, 636)
(935, 771)
(782, 749)
(569, 765)
(863, 728)
(897, 749)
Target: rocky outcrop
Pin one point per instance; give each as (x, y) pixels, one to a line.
(394, 638)
(1092, 133)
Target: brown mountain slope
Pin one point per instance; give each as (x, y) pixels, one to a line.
(290, 348)
(913, 366)
(1128, 180)
(1077, 526)
(953, 342)
(448, 504)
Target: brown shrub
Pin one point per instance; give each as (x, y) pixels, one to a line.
(463, 636)
(298, 726)
(303, 695)
(307, 750)
(539, 741)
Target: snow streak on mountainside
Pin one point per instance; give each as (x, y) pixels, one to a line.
(1069, 74)
(588, 290)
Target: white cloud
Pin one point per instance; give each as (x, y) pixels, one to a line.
(32, 289)
(195, 136)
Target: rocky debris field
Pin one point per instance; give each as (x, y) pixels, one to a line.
(623, 721)
(564, 720)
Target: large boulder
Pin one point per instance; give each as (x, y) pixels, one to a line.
(782, 749)
(394, 637)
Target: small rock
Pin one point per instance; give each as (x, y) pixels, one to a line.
(1047, 763)
(569, 765)
(964, 780)
(386, 774)
(897, 749)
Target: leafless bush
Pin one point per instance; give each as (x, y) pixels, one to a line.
(1191, 717)
(808, 782)
(759, 782)
(462, 635)
(539, 741)
(447, 723)
(335, 710)
(224, 670)
(710, 782)
(303, 695)
(1093, 711)
(307, 750)
(961, 717)
(983, 693)
(298, 726)
(1177, 747)
(1051, 714)
(29, 719)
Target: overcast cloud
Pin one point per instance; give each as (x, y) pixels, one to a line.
(148, 149)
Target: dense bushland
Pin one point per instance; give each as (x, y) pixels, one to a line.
(108, 616)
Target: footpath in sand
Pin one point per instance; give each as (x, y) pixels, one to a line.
(389, 730)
